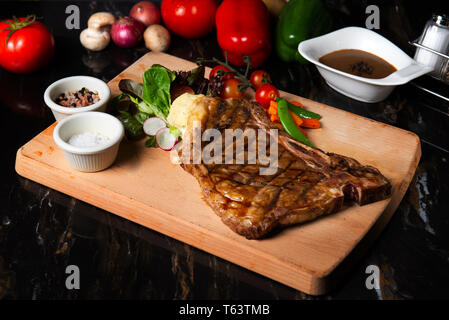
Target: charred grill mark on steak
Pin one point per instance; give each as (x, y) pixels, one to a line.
(307, 184)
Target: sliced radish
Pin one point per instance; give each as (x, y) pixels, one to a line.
(152, 125)
(165, 140)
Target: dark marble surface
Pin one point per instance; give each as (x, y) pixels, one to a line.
(42, 231)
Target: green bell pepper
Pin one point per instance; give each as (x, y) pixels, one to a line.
(300, 20)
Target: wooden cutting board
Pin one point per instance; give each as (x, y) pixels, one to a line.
(145, 187)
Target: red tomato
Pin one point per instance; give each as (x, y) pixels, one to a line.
(189, 18)
(213, 72)
(259, 77)
(28, 48)
(266, 93)
(231, 90)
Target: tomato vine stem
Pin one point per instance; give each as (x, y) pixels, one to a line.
(242, 77)
(16, 24)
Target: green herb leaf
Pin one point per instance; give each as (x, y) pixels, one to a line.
(141, 116)
(120, 102)
(143, 106)
(196, 75)
(133, 127)
(151, 142)
(156, 89)
(133, 88)
(175, 132)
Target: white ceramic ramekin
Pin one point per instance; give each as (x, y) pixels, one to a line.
(75, 83)
(89, 159)
(359, 88)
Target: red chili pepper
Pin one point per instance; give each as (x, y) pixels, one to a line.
(243, 29)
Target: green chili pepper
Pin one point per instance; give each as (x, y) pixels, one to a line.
(306, 114)
(289, 124)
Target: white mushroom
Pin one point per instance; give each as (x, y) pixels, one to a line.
(100, 20)
(95, 40)
(96, 37)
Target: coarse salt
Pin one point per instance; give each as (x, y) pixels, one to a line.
(88, 139)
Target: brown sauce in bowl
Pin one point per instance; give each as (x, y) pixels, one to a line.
(359, 63)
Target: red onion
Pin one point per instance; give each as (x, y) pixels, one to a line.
(146, 12)
(126, 32)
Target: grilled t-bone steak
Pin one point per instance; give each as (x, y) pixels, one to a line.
(308, 182)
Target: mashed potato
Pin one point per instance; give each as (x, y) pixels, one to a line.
(181, 109)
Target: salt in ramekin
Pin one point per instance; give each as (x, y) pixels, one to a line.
(89, 159)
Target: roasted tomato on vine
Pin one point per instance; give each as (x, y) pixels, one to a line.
(259, 77)
(214, 72)
(231, 89)
(266, 93)
(26, 45)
